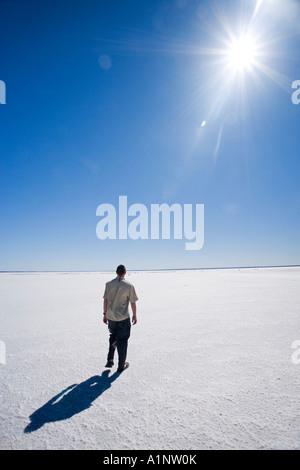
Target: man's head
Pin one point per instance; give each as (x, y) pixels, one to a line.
(121, 270)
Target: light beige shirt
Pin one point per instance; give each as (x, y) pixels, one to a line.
(118, 295)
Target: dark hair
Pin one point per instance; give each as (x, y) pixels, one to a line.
(121, 269)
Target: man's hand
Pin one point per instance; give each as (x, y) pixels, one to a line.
(105, 305)
(134, 319)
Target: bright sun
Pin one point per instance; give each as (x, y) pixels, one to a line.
(241, 53)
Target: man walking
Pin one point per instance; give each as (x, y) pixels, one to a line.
(117, 295)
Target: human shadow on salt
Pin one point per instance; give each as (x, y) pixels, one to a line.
(71, 401)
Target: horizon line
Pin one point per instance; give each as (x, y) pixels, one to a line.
(153, 270)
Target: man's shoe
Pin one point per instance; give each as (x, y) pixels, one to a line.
(109, 363)
(126, 365)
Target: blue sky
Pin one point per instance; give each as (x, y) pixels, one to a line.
(107, 98)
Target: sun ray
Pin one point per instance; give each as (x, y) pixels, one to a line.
(257, 8)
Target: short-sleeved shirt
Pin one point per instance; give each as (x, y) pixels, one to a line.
(118, 295)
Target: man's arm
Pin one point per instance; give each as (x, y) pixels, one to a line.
(105, 303)
(134, 319)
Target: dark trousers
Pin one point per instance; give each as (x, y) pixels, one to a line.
(118, 338)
